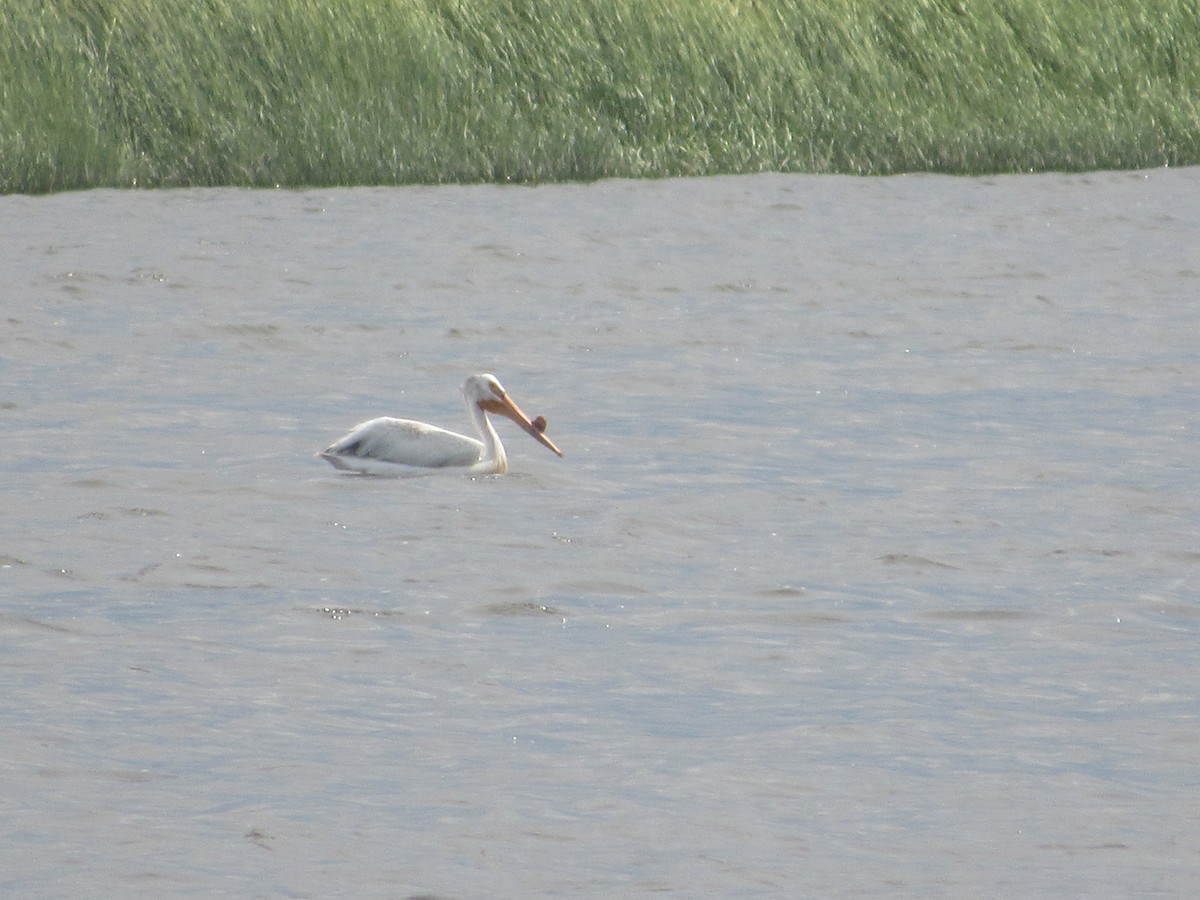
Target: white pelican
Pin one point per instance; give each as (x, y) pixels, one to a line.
(387, 446)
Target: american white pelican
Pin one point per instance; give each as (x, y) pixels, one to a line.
(387, 446)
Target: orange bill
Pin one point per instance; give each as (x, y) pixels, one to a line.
(503, 406)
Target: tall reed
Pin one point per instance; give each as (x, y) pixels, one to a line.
(317, 92)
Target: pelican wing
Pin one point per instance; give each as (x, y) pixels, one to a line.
(402, 442)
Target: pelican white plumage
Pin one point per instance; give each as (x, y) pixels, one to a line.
(387, 446)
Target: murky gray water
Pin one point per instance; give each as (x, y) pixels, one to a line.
(871, 568)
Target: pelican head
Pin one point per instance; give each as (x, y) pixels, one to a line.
(486, 393)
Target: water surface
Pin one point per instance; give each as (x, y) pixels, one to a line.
(870, 568)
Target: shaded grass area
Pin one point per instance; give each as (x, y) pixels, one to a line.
(321, 92)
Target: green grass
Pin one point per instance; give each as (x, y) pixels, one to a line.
(320, 92)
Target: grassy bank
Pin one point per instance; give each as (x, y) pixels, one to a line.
(316, 92)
